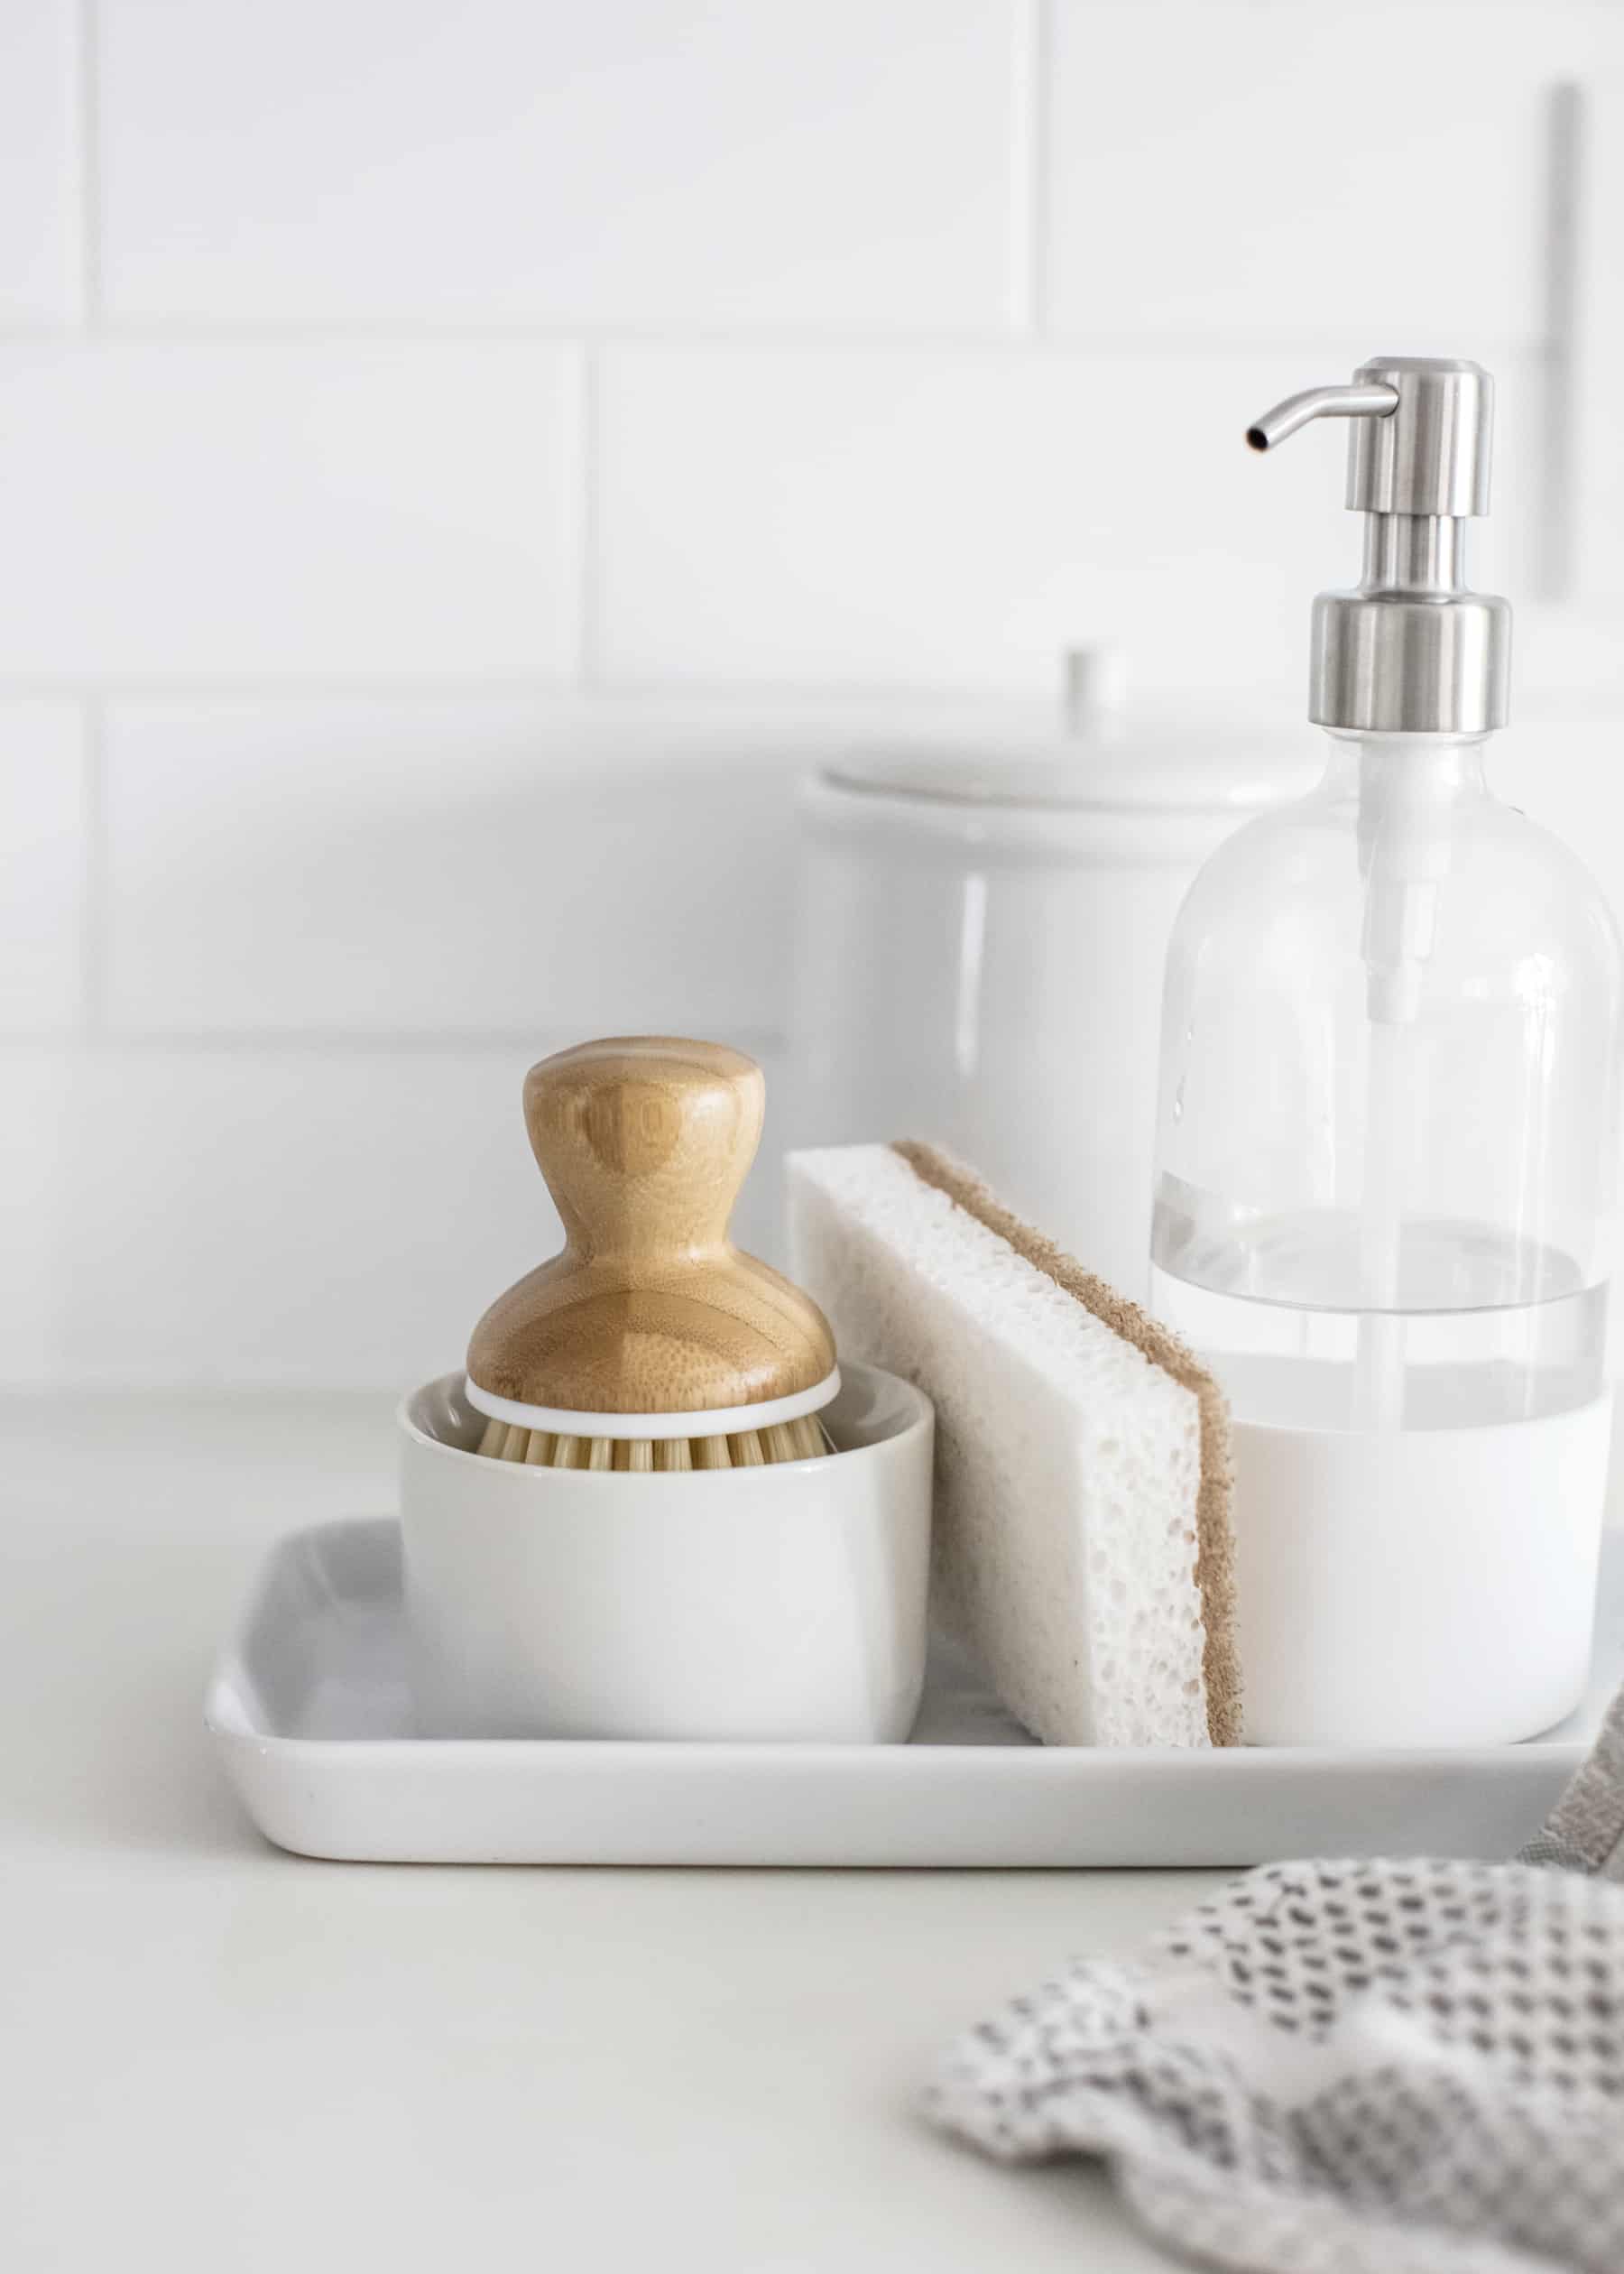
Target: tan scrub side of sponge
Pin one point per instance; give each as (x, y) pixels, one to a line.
(1083, 1547)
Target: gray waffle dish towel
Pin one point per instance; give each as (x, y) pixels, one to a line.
(1350, 2068)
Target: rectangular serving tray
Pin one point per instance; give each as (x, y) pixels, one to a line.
(309, 1708)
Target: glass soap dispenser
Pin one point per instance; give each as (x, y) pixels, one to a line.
(1386, 1135)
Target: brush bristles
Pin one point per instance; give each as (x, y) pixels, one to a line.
(802, 1440)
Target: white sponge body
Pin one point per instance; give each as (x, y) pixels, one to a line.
(1069, 1464)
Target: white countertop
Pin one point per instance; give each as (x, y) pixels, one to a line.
(220, 2057)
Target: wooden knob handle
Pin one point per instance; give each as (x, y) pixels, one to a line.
(645, 1141)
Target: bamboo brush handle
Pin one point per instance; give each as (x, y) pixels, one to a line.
(644, 1143)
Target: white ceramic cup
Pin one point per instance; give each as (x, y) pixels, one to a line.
(783, 1602)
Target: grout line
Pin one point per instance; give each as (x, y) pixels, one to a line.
(613, 697)
(815, 703)
(340, 1042)
(562, 695)
(591, 561)
(1028, 170)
(91, 284)
(1566, 130)
(94, 944)
(161, 689)
(768, 339)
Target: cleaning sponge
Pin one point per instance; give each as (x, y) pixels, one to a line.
(1082, 1546)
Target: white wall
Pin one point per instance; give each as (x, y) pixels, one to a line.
(458, 456)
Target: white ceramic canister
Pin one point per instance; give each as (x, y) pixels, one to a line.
(980, 941)
(786, 1603)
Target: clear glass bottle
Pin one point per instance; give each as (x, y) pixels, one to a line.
(1388, 1132)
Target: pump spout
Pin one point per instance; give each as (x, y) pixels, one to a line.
(1355, 402)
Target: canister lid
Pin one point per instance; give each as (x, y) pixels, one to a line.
(1088, 760)
(1095, 759)
(1137, 774)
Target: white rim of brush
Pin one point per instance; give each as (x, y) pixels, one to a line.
(718, 1422)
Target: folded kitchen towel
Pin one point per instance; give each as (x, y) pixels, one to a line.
(1409, 2067)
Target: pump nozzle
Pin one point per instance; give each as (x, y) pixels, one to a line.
(1321, 402)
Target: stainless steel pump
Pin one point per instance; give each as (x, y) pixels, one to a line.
(1412, 651)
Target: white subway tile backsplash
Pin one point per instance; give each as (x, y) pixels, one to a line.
(42, 866)
(1248, 168)
(368, 370)
(262, 1219)
(41, 257)
(325, 509)
(918, 517)
(448, 866)
(645, 160)
(255, 1216)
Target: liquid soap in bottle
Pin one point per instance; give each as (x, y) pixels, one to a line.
(1387, 1140)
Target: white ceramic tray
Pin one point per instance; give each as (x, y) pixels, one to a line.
(309, 1709)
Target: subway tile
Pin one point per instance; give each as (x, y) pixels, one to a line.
(334, 510)
(448, 866)
(35, 1214)
(42, 865)
(915, 517)
(257, 1218)
(1592, 500)
(816, 161)
(1248, 168)
(40, 191)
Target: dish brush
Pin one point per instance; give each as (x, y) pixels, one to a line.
(650, 1343)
